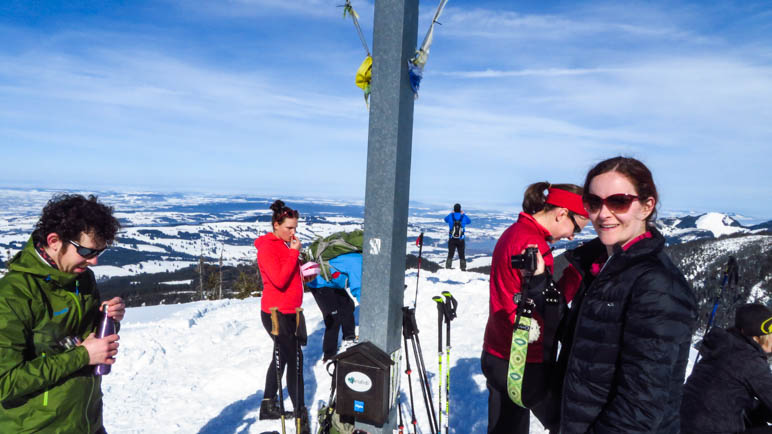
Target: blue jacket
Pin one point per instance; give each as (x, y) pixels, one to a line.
(346, 270)
(455, 216)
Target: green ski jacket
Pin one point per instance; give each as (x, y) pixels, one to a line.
(45, 384)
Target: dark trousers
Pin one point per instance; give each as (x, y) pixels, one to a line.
(289, 355)
(506, 417)
(453, 245)
(338, 313)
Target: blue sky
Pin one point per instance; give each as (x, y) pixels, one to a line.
(258, 96)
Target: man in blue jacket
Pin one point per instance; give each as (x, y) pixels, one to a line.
(457, 222)
(335, 299)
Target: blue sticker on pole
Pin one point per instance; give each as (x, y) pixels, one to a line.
(359, 406)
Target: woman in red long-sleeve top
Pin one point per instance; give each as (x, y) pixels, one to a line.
(277, 259)
(545, 219)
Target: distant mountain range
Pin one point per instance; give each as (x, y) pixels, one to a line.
(170, 233)
(709, 225)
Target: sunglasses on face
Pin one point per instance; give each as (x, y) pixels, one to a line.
(87, 252)
(577, 228)
(617, 203)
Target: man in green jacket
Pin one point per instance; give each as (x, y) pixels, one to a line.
(49, 311)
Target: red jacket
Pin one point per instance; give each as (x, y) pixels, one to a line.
(505, 283)
(280, 270)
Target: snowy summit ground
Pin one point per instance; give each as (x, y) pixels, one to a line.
(200, 367)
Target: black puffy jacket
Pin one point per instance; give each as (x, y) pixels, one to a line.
(627, 340)
(724, 385)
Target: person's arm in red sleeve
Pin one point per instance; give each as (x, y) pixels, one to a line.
(279, 265)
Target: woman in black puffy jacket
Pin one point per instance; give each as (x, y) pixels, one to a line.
(626, 339)
(730, 389)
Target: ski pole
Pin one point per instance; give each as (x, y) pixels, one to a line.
(731, 277)
(425, 381)
(409, 383)
(410, 322)
(300, 339)
(420, 243)
(440, 317)
(401, 425)
(450, 307)
(277, 363)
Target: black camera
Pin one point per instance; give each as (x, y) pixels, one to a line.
(527, 261)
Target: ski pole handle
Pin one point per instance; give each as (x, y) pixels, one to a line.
(440, 317)
(298, 316)
(274, 321)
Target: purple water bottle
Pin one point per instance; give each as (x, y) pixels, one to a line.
(106, 328)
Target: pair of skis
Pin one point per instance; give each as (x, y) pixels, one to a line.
(446, 312)
(301, 338)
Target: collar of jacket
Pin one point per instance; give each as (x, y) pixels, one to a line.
(640, 251)
(29, 262)
(528, 219)
(583, 256)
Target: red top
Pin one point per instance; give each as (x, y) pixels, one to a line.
(280, 270)
(505, 283)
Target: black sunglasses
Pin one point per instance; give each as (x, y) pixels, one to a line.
(87, 252)
(616, 203)
(577, 228)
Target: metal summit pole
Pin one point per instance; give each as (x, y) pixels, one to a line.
(387, 192)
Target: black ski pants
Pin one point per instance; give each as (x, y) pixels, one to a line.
(453, 245)
(338, 313)
(289, 352)
(506, 417)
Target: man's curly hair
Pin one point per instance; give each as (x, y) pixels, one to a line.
(68, 215)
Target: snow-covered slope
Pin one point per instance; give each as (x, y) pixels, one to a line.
(200, 367)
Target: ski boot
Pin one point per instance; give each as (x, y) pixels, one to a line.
(269, 409)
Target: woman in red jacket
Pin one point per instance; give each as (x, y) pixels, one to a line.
(545, 219)
(277, 259)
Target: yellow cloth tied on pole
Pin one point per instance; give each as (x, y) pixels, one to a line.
(364, 77)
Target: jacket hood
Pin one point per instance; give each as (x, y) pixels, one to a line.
(29, 261)
(719, 342)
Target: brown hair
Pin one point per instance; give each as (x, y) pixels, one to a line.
(534, 199)
(281, 212)
(636, 172)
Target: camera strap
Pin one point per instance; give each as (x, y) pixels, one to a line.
(551, 317)
(519, 349)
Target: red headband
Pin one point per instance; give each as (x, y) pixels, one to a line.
(566, 199)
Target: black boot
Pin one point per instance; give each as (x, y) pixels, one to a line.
(305, 428)
(269, 409)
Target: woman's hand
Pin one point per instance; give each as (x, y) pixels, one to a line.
(294, 243)
(539, 260)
